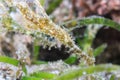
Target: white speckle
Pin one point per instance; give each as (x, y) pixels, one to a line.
(84, 73)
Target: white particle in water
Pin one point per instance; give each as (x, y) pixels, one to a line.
(84, 73)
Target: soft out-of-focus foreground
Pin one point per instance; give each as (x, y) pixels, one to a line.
(59, 39)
